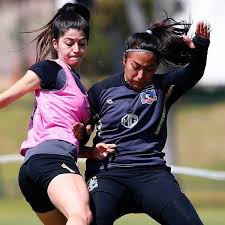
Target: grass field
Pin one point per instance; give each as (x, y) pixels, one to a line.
(208, 196)
(199, 133)
(17, 212)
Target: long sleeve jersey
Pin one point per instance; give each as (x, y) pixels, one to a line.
(136, 121)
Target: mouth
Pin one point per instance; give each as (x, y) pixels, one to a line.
(136, 83)
(75, 57)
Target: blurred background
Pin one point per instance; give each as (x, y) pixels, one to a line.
(196, 142)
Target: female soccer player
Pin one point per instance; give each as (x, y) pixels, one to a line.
(131, 110)
(49, 177)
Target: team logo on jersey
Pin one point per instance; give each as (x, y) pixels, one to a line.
(148, 96)
(92, 183)
(129, 120)
(109, 101)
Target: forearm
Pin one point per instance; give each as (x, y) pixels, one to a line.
(84, 152)
(87, 152)
(185, 78)
(98, 152)
(28, 83)
(4, 100)
(196, 67)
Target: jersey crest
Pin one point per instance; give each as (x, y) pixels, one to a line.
(148, 96)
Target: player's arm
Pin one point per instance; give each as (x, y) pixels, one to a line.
(185, 78)
(82, 131)
(28, 83)
(99, 152)
(199, 47)
(188, 76)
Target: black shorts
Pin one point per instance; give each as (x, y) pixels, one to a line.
(153, 191)
(36, 174)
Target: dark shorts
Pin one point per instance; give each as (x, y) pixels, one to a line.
(36, 174)
(153, 191)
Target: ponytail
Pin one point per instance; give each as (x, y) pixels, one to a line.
(173, 50)
(165, 40)
(69, 16)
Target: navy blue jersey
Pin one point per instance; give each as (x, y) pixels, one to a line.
(136, 120)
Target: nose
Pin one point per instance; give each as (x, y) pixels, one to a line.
(76, 47)
(140, 74)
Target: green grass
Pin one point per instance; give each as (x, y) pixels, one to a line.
(199, 135)
(14, 121)
(17, 212)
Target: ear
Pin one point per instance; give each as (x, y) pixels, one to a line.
(55, 44)
(124, 59)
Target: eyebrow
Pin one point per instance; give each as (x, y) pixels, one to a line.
(150, 66)
(72, 39)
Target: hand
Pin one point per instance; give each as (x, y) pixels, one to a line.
(202, 30)
(79, 130)
(102, 150)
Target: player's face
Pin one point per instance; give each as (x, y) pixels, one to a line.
(71, 47)
(139, 69)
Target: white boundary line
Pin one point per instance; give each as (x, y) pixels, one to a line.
(204, 173)
(10, 158)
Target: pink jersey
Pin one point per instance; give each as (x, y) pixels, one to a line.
(56, 112)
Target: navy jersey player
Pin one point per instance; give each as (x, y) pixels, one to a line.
(131, 110)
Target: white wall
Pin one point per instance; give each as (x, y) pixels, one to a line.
(213, 12)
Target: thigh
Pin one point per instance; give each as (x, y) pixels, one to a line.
(180, 211)
(129, 204)
(106, 195)
(68, 192)
(158, 187)
(40, 171)
(35, 194)
(162, 199)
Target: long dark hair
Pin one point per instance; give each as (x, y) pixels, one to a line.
(71, 15)
(165, 40)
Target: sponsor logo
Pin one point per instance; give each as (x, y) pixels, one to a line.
(67, 168)
(92, 183)
(148, 96)
(129, 120)
(109, 101)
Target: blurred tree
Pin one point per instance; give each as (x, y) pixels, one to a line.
(106, 39)
(110, 25)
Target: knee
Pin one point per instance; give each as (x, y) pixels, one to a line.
(88, 217)
(84, 217)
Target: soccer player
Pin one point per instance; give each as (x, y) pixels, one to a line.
(131, 111)
(49, 177)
